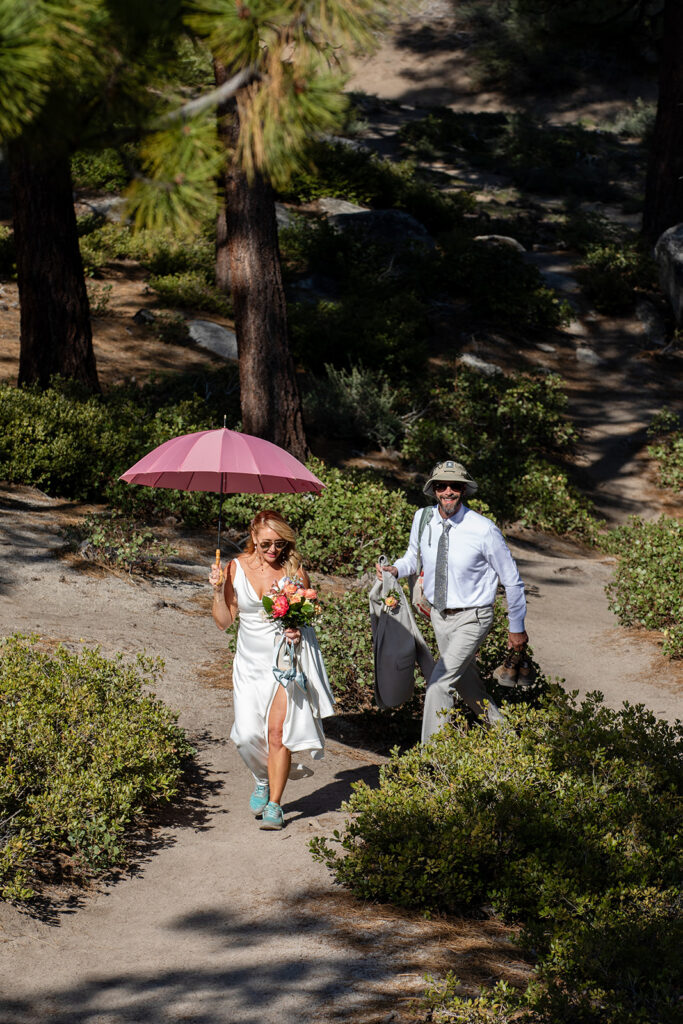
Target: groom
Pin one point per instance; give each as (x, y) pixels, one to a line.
(463, 556)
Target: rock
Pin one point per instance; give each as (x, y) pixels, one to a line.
(214, 338)
(112, 208)
(545, 347)
(480, 365)
(669, 257)
(588, 356)
(332, 207)
(395, 229)
(503, 240)
(144, 317)
(284, 217)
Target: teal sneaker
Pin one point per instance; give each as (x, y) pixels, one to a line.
(258, 800)
(272, 818)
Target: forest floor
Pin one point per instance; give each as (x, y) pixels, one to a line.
(218, 922)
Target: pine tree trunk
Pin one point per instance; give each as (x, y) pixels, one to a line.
(664, 188)
(270, 399)
(56, 336)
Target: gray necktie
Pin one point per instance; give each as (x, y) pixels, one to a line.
(441, 570)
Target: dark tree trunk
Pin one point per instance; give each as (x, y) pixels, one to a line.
(664, 188)
(56, 336)
(270, 399)
(222, 253)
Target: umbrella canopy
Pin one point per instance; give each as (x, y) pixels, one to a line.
(224, 461)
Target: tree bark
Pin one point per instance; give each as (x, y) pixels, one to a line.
(270, 398)
(56, 336)
(664, 187)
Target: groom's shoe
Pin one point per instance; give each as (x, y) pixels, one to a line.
(258, 801)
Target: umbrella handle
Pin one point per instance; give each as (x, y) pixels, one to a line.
(218, 562)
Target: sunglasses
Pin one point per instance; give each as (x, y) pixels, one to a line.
(279, 545)
(453, 486)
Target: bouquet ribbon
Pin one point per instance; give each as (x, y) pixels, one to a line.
(293, 673)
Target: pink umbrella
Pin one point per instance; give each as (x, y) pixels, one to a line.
(224, 461)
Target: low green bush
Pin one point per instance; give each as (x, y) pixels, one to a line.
(613, 275)
(72, 444)
(342, 530)
(190, 290)
(544, 499)
(118, 541)
(102, 170)
(501, 288)
(566, 822)
(84, 753)
(159, 252)
(362, 177)
(645, 590)
(509, 430)
(8, 255)
(667, 449)
(538, 157)
(356, 404)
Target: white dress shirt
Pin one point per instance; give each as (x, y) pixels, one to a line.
(478, 558)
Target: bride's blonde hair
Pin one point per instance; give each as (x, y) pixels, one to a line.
(290, 557)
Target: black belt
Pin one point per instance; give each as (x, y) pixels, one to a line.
(453, 611)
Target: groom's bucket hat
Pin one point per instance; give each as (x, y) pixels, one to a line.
(450, 471)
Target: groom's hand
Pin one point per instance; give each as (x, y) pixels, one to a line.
(379, 569)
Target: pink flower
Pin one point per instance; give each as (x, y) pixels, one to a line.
(290, 588)
(280, 606)
(310, 595)
(391, 601)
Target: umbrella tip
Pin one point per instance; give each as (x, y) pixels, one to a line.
(224, 419)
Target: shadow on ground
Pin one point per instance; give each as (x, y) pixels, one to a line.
(331, 958)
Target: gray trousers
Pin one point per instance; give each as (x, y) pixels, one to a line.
(459, 638)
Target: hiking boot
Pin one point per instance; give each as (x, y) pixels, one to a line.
(272, 817)
(507, 673)
(525, 672)
(258, 801)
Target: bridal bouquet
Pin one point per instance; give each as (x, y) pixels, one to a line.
(290, 605)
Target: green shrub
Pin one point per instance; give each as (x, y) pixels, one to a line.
(7, 252)
(545, 500)
(613, 275)
(69, 443)
(646, 587)
(501, 288)
(116, 540)
(190, 290)
(667, 449)
(362, 177)
(345, 528)
(506, 428)
(539, 157)
(355, 403)
(566, 822)
(102, 170)
(99, 297)
(84, 752)
(159, 252)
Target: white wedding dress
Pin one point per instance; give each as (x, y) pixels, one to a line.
(255, 686)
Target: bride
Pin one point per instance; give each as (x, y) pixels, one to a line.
(273, 720)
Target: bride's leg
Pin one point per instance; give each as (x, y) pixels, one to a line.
(279, 757)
